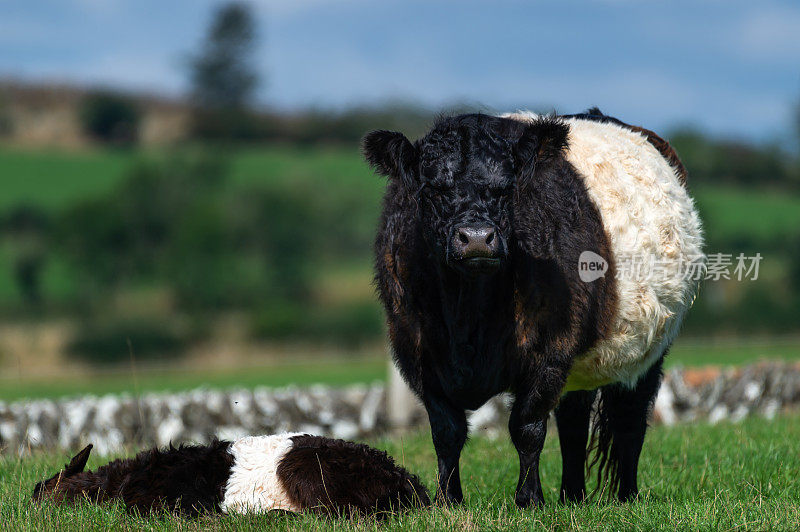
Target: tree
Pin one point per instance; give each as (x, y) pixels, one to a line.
(110, 117)
(27, 230)
(223, 76)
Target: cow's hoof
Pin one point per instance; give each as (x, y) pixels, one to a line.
(448, 500)
(568, 496)
(526, 498)
(628, 495)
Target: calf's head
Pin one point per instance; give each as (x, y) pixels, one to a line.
(61, 484)
(463, 179)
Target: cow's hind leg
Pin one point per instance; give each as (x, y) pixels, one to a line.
(620, 428)
(572, 419)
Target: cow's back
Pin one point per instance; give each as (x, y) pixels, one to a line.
(653, 228)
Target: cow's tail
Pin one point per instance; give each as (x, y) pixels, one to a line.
(599, 455)
(624, 411)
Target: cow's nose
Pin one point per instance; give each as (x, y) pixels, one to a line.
(471, 242)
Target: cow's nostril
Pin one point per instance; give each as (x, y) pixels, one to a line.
(479, 242)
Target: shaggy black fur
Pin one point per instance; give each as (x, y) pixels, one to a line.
(188, 479)
(572, 418)
(460, 337)
(319, 474)
(339, 477)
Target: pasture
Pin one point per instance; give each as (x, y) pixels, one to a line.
(741, 477)
(723, 477)
(54, 180)
(338, 369)
(348, 195)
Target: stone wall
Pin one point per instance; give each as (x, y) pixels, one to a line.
(116, 423)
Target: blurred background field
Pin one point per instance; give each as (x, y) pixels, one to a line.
(163, 241)
(298, 365)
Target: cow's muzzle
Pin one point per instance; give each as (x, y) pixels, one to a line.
(476, 249)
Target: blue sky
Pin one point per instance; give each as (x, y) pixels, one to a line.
(729, 67)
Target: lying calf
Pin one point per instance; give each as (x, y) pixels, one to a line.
(290, 472)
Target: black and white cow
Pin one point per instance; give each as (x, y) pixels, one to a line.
(290, 472)
(487, 222)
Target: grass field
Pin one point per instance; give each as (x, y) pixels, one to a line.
(334, 370)
(724, 477)
(54, 179)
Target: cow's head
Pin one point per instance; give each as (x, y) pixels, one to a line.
(463, 177)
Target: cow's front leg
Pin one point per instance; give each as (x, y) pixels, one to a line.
(528, 431)
(535, 396)
(449, 431)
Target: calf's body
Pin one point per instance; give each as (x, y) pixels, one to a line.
(511, 312)
(289, 472)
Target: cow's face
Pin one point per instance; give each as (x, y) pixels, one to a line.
(466, 179)
(462, 179)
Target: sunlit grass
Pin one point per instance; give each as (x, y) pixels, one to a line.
(724, 477)
(333, 370)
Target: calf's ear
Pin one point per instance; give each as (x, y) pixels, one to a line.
(390, 154)
(78, 462)
(543, 141)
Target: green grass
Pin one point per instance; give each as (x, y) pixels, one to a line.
(693, 352)
(732, 213)
(285, 164)
(338, 371)
(55, 179)
(724, 477)
(52, 179)
(334, 371)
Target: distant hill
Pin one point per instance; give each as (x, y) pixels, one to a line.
(45, 114)
(48, 114)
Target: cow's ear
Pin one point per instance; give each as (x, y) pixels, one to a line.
(543, 141)
(390, 154)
